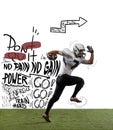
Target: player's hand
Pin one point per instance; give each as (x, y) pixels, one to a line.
(90, 49)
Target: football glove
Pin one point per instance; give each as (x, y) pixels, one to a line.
(90, 49)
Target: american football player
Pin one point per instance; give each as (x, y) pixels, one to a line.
(71, 59)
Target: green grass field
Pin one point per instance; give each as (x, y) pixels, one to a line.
(62, 119)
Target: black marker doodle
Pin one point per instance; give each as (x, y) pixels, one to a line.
(35, 32)
(63, 24)
(12, 78)
(14, 90)
(8, 66)
(27, 81)
(52, 68)
(20, 52)
(43, 91)
(21, 102)
(40, 103)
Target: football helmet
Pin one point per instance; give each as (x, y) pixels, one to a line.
(78, 50)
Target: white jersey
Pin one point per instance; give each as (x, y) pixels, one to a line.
(70, 61)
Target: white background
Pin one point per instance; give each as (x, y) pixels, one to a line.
(17, 17)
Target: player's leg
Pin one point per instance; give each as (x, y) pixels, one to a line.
(79, 84)
(57, 93)
(72, 80)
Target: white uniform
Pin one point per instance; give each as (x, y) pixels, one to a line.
(65, 78)
(70, 61)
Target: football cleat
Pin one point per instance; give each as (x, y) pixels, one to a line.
(46, 117)
(74, 99)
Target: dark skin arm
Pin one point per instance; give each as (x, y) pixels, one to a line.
(54, 52)
(91, 59)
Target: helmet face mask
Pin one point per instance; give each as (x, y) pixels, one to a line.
(78, 50)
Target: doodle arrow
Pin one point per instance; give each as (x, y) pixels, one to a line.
(63, 24)
(81, 21)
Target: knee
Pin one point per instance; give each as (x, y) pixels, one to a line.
(81, 82)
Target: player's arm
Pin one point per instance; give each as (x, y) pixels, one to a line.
(66, 52)
(91, 59)
(54, 52)
(52, 55)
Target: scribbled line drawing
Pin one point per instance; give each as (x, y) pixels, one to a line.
(63, 24)
(48, 77)
(25, 46)
(34, 32)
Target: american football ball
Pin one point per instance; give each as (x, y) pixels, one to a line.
(52, 56)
